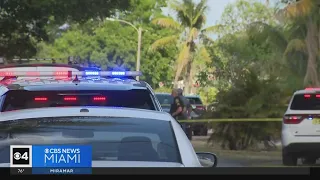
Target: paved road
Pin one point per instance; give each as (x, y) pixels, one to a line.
(222, 162)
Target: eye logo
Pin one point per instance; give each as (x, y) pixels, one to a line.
(20, 156)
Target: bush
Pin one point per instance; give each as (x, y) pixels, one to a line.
(248, 97)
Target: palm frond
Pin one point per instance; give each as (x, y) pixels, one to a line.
(185, 12)
(213, 29)
(166, 22)
(182, 60)
(296, 45)
(177, 6)
(164, 41)
(300, 8)
(204, 54)
(200, 10)
(206, 40)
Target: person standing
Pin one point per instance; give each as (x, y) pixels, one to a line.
(177, 111)
(188, 108)
(177, 106)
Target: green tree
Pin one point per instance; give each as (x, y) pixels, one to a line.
(301, 24)
(23, 22)
(248, 76)
(189, 28)
(106, 41)
(307, 13)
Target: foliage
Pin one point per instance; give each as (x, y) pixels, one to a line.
(208, 94)
(250, 75)
(163, 90)
(24, 22)
(189, 28)
(106, 41)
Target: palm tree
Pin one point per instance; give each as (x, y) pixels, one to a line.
(302, 22)
(306, 13)
(189, 33)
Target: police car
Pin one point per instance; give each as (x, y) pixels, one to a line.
(35, 89)
(301, 128)
(119, 137)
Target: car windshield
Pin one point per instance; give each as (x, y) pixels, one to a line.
(164, 99)
(15, 100)
(300, 102)
(111, 138)
(194, 100)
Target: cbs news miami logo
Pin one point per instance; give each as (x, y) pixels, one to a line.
(77, 156)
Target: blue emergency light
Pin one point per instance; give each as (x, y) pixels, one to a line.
(92, 73)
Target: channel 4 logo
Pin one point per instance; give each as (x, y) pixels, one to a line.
(20, 156)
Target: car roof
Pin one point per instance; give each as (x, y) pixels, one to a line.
(39, 84)
(92, 111)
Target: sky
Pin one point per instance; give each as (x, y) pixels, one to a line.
(215, 11)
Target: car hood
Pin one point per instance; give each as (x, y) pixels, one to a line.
(124, 164)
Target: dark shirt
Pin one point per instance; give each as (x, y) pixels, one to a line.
(185, 102)
(177, 102)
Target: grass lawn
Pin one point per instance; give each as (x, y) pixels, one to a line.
(249, 158)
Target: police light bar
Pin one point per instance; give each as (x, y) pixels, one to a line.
(69, 73)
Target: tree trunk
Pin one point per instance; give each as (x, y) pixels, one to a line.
(188, 82)
(311, 77)
(182, 61)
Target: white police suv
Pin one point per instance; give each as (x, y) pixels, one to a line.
(301, 128)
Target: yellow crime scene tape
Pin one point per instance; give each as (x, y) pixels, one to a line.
(232, 120)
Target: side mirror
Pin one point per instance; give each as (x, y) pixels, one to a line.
(207, 159)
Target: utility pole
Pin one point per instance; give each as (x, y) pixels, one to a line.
(139, 30)
(139, 51)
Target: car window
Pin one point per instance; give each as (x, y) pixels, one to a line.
(111, 139)
(164, 98)
(193, 100)
(15, 100)
(300, 102)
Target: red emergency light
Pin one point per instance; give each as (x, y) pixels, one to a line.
(70, 98)
(40, 99)
(99, 98)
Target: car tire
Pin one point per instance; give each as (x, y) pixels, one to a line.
(309, 161)
(196, 132)
(189, 135)
(289, 159)
(204, 131)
